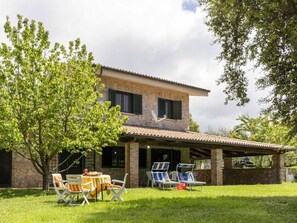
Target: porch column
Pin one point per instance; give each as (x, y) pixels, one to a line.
(228, 163)
(132, 163)
(216, 167)
(278, 163)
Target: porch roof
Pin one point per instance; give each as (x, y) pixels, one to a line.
(200, 143)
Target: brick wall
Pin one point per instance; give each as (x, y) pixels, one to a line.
(241, 176)
(23, 173)
(250, 176)
(150, 103)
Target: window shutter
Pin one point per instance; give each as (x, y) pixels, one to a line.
(161, 107)
(177, 110)
(137, 104)
(111, 95)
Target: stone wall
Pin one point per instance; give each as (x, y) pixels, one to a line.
(250, 176)
(241, 176)
(203, 175)
(150, 97)
(23, 173)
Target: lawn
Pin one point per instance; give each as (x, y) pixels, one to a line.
(254, 203)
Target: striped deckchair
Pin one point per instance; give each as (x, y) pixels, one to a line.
(162, 179)
(185, 175)
(160, 166)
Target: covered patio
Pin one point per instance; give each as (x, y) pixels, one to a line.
(219, 150)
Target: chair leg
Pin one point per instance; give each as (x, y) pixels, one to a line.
(117, 196)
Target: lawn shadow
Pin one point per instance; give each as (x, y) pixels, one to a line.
(13, 193)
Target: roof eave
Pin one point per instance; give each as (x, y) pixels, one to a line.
(153, 81)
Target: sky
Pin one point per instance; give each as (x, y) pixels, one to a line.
(161, 38)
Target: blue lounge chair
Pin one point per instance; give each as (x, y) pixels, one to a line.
(162, 179)
(160, 175)
(185, 175)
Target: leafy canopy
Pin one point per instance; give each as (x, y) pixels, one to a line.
(264, 32)
(262, 129)
(50, 97)
(193, 126)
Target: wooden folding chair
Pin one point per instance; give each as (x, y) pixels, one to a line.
(117, 188)
(75, 187)
(60, 187)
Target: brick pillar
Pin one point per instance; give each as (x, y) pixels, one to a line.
(216, 167)
(278, 163)
(228, 163)
(132, 163)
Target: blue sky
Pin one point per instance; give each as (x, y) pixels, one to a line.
(166, 39)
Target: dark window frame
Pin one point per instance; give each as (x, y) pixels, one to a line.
(171, 108)
(113, 157)
(129, 102)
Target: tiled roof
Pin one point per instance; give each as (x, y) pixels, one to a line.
(153, 78)
(198, 138)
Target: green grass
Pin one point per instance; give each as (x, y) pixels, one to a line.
(255, 203)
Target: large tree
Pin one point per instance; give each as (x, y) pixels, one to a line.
(50, 98)
(264, 32)
(262, 129)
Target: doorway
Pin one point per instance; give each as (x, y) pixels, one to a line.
(5, 167)
(166, 155)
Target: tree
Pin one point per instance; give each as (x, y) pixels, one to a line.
(262, 129)
(50, 98)
(194, 126)
(264, 32)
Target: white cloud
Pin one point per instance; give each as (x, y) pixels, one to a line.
(153, 37)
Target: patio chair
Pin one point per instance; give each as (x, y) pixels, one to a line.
(162, 179)
(75, 187)
(185, 175)
(117, 188)
(60, 187)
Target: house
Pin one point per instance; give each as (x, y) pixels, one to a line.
(157, 130)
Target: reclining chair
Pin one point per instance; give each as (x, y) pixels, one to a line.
(160, 175)
(185, 175)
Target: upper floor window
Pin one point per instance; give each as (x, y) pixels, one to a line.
(172, 109)
(129, 103)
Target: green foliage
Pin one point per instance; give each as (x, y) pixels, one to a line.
(236, 203)
(262, 129)
(48, 102)
(265, 33)
(194, 126)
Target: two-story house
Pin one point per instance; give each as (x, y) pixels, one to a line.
(157, 130)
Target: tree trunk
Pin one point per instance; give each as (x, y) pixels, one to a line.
(45, 179)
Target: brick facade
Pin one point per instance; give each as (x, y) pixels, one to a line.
(216, 167)
(23, 173)
(150, 103)
(242, 176)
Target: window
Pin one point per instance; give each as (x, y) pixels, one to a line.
(113, 157)
(172, 109)
(129, 103)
